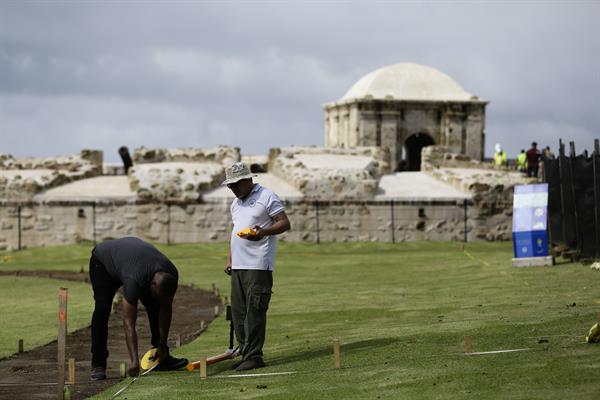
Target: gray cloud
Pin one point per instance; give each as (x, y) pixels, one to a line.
(255, 74)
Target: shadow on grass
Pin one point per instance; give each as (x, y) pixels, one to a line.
(328, 351)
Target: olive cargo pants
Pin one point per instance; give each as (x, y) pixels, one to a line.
(250, 296)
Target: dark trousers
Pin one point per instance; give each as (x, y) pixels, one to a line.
(105, 288)
(250, 296)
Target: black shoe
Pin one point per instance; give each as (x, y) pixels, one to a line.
(172, 364)
(98, 373)
(252, 363)
(236, 364)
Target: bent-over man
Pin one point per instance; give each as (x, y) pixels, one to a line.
(146, 275)
(251, 260)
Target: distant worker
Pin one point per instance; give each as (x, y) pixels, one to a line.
(547, 153)
(533, 160)
(500, 159)
(146, 275)
(522, 161)
(126, 158)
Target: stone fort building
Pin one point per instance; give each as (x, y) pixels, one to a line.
(405, 107)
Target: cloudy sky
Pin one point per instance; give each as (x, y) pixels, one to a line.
(95, 74)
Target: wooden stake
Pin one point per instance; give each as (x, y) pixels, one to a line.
(123, 370)
(468, 344)
(216, 310)
(178, 340)
(203, 367)
(337, 359)
(71, 371)
(20, 345)
(62, 341)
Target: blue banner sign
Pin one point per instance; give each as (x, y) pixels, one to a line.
(530, 219)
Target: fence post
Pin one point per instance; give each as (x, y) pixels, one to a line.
(561, 155)
(317, 220)
(465, 217)
(392, 225)
(168, 224)
(594, 161)
(19, 226)
(94, 221)
(575, 214)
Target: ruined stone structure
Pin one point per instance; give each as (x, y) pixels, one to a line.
(403, 108)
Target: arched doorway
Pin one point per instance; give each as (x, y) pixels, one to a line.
(413, 145)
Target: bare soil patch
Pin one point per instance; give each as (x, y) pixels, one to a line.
(32, 374)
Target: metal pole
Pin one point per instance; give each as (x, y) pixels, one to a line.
(317, 220)
(19, 226)
(94, 221)
(595, 176)
(393, 226)
(571, 160)
(465, 216)
(561, 155)
(168, 224)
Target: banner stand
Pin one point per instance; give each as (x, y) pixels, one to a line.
(530, 226)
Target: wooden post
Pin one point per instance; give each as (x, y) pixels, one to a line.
(123, 370)
(337, 359)
(71, 371)
(216, 310)
(203, 367)
(468, 344)
(20, 345)
(62, 341)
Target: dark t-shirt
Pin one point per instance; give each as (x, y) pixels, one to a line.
(533, 157)
(133, 263)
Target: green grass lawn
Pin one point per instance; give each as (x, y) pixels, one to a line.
(402, 312)
(29, 310)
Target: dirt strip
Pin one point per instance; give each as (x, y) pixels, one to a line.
(32, 374)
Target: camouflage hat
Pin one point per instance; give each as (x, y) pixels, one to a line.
(236, 172)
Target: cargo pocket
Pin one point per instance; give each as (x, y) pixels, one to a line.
(261, 298)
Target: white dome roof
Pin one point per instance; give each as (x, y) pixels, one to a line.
(407, 81)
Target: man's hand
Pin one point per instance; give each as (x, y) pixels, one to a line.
(134, 370)
(227, 267)
(257, 236)
(162, 353)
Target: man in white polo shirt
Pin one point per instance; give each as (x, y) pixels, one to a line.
(251, 260)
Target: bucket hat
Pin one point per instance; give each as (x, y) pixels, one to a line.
(236, 172)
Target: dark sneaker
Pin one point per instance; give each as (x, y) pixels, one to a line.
(172, 364)
(252, 363)
(98, 373)
(236, 364)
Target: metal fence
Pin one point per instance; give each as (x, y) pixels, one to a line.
(573, 200)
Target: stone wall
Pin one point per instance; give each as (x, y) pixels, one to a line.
(66, 223)
(22, 178)
(222, 155)
(342, 173)
(179, 174)
(491, 189)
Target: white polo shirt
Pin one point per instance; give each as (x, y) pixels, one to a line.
(258, 208)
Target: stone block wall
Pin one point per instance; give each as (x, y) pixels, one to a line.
(65, 223)
(25, 177)
(339, 181)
